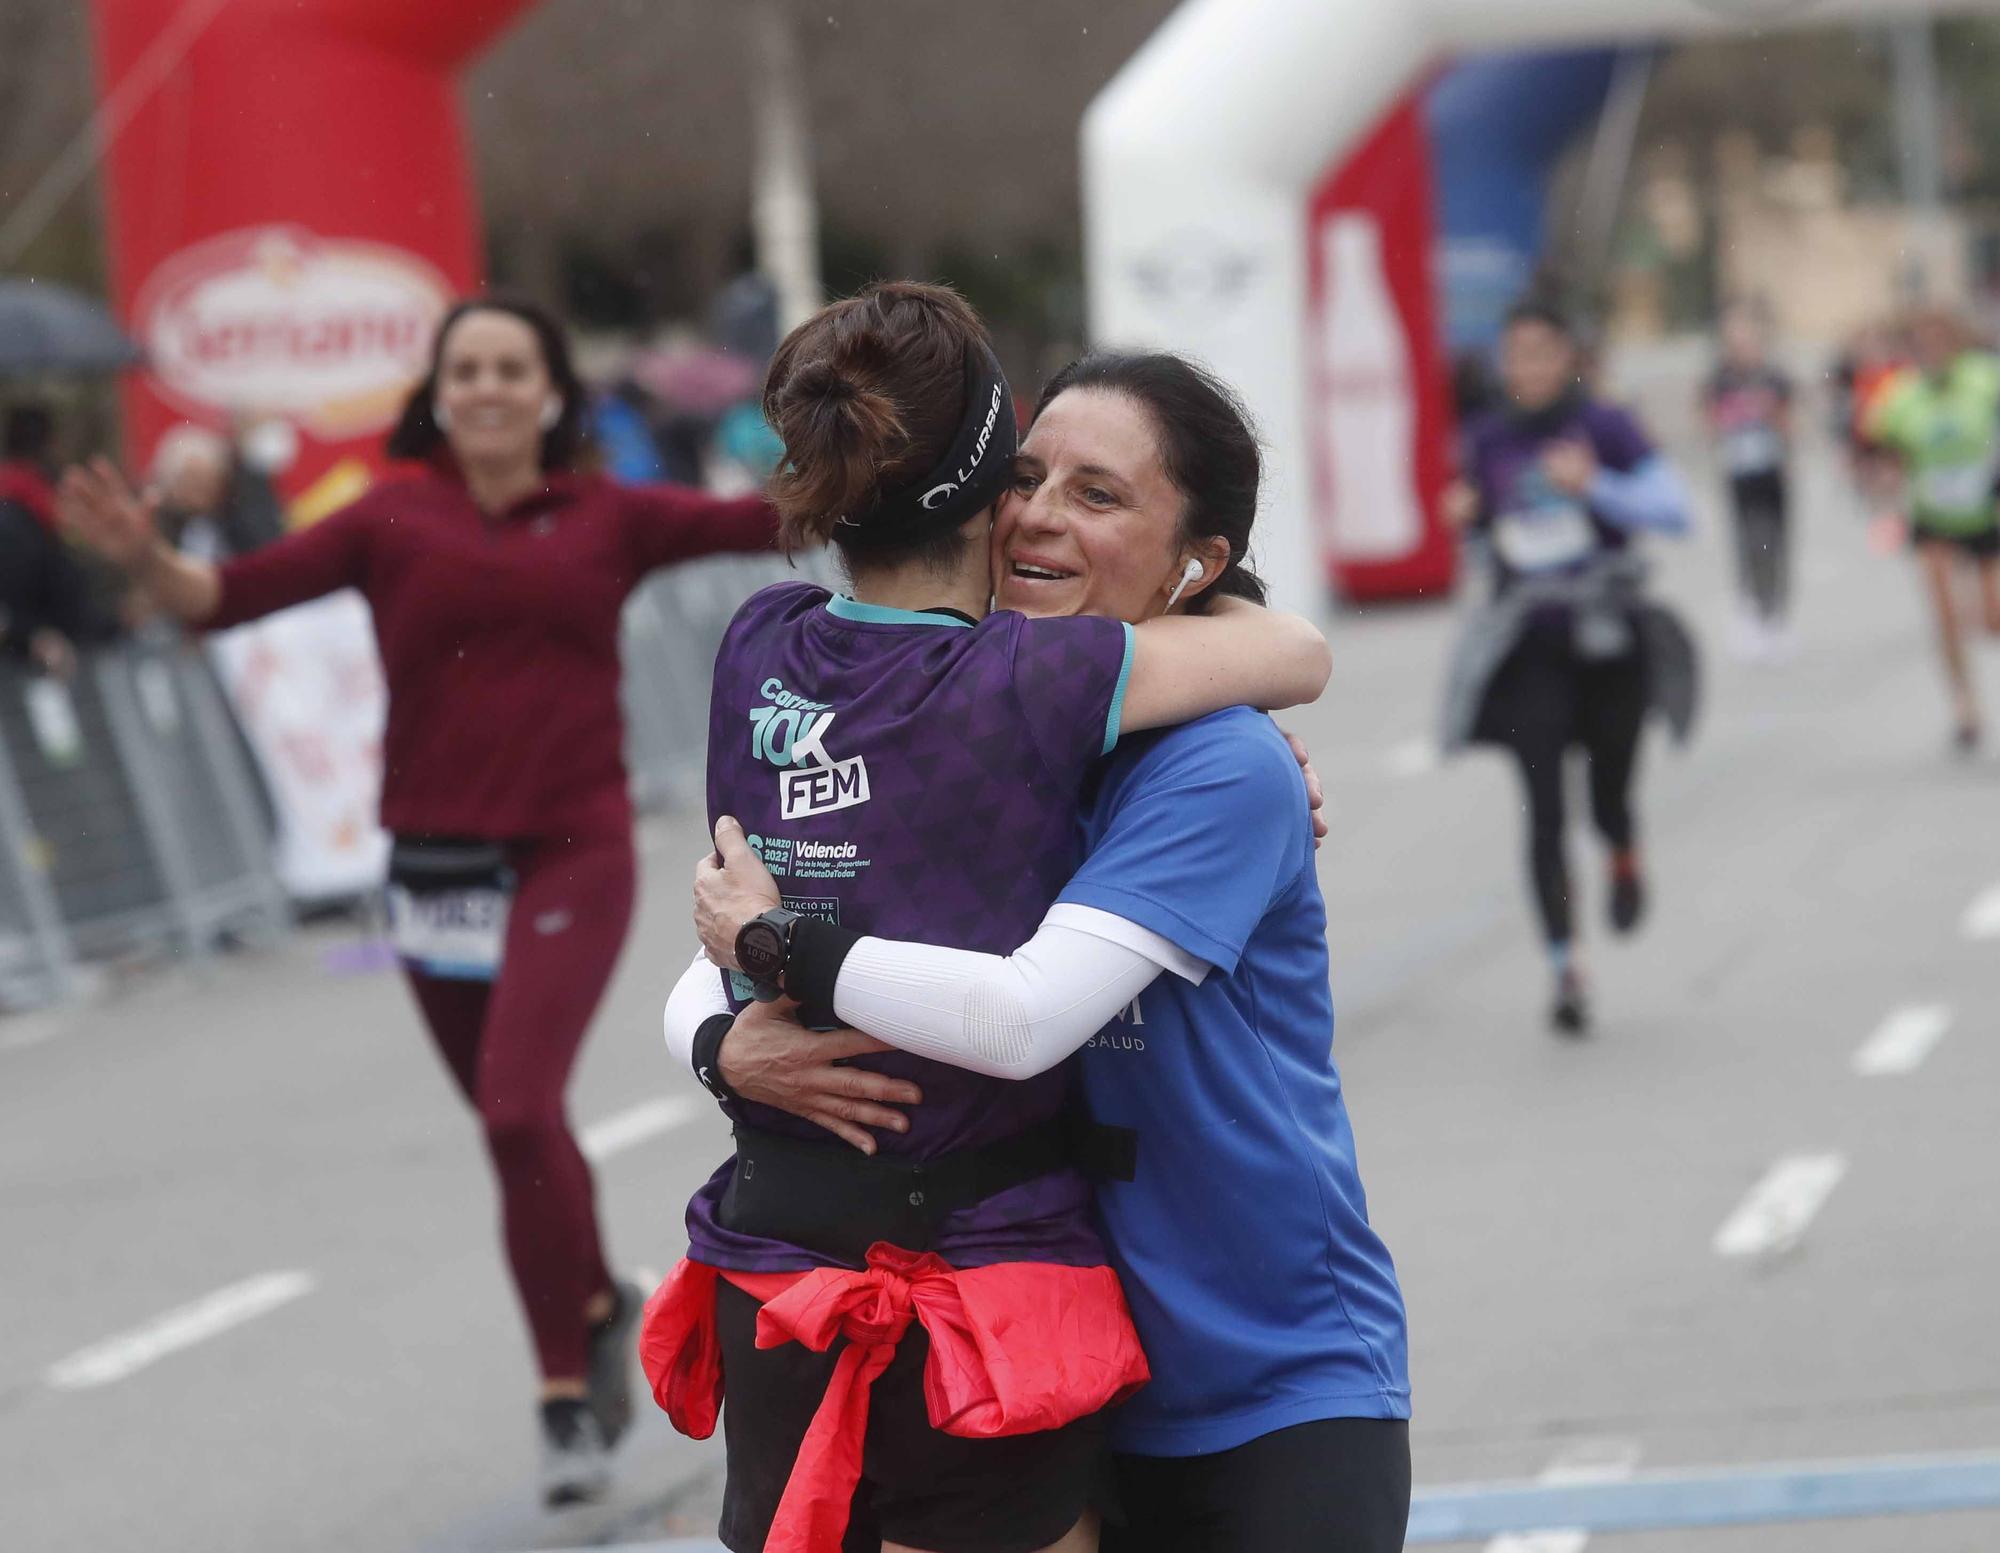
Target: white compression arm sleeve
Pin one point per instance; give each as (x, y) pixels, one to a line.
(696, 996)
(1008, 1017)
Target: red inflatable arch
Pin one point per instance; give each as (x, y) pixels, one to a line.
(290, 208)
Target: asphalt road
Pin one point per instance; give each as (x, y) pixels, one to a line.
(275, 1132)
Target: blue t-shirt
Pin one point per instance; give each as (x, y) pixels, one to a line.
(1262, 1295)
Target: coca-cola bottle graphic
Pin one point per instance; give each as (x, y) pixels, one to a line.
(1369, 414)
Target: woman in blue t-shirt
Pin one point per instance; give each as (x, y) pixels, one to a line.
(1276, 1419)
(1569, 653)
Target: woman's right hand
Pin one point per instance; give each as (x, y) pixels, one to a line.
(97, 505)
(769, 1057)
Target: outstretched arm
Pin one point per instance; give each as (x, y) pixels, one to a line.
(330, 555)
(669, 523)
(1186, 666)
(99, 507)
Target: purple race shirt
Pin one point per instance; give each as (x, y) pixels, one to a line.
(1535, 528)
(912, 776)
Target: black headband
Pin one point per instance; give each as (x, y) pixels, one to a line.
(970, 476)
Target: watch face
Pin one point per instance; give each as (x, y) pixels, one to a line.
(760, 950)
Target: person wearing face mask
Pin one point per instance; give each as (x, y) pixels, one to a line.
(1184, 966)
(1940, 419)
(497, 578)
(1569, 654)
(909, 763)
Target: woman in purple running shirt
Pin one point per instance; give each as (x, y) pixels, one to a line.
(1558, 489)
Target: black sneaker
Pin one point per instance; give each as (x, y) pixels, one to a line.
(1570, 1014)
(1965, 740)
(610, 1375)
(576, 1466)
(1628, 898)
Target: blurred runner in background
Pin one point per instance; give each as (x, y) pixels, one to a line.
(497, 579)
(1748, 404)
(1941, 417)
(1569, 654)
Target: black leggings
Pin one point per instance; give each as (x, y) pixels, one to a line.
(1341, 1485)
(1546, 700)
(1763, 568)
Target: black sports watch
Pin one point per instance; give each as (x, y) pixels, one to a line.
(764, 949)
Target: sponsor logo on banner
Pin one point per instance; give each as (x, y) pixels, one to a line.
(1194, 273)
(329, 332)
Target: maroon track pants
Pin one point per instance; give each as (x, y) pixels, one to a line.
(511, 1044)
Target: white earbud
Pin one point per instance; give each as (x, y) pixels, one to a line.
(440, 416)
(552, 409)
(1190, 573)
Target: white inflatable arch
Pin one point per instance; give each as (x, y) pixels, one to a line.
(1201, 154)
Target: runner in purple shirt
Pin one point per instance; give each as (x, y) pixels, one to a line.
(1558, 487)
(908, 764)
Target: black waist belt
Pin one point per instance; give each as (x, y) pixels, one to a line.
(837, 1201)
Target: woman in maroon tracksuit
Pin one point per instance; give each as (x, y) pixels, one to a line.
(496, 580)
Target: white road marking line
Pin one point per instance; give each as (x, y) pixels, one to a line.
(1587, 1461)
(1982, 917)
(1903, 1040)
(603, 1139)
(1413, 757)
(1779, 1208)
(117, 1357)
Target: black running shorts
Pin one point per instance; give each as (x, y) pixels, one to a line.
(1338, 1486)
(919, 1487)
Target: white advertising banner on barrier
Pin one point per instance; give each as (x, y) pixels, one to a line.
(307, 687)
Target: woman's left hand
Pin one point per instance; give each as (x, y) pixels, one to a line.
(1315, 793)
(730, 888)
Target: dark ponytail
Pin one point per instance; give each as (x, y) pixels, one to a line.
(1206, 443)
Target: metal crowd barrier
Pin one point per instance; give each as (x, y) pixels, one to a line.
(130, 816)
(673, 626)
(129, 819)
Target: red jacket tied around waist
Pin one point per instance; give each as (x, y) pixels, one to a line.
(1016, 1348)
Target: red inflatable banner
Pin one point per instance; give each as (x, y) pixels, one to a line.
(1380, 410)
(290, 210)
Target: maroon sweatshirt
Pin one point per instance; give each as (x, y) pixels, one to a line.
(499, 636)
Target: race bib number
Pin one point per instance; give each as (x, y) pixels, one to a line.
(1956, 488)
(1544, 539)
(458, 935)
(1752, 450)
